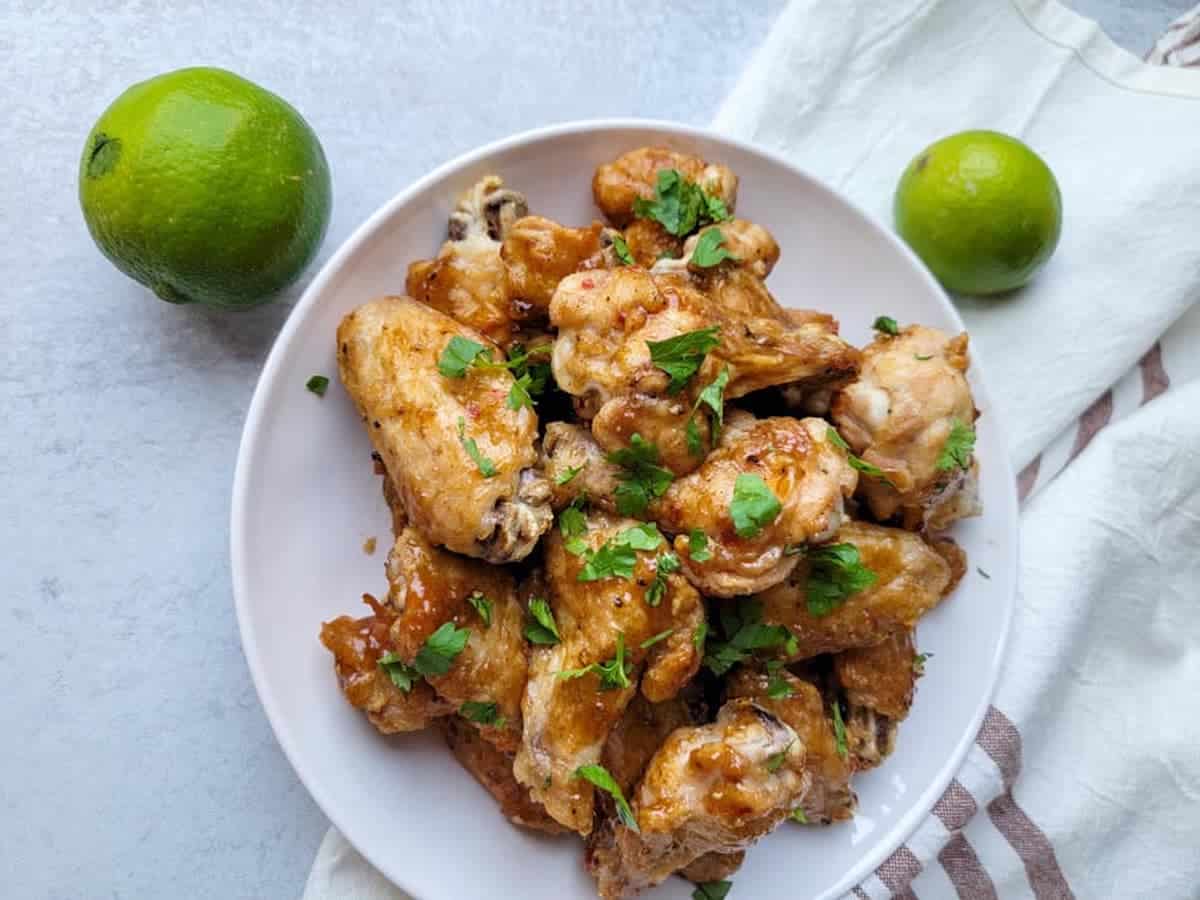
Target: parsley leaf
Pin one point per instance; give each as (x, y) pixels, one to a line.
(543, 629)
(571, 521)
(835, 572)
(855, 462)
(799, 816)
(886, 325)
(681, 356)
(753, 506)
(459, 355)
(643, 478)
(645, 536)
(613, 674)
(700, 635)
(662, 635)
(403, 675)
(518, 394)
(744, 633)
(440, 650)
(616, 558)
(713, 396)
(778, 688)
(921, 358)
(318, 384)
(567, 474)
(698, 546)
(666, 564)
(679, 205)
(621, 249)
(483, 606)
(712, 890)
(486, 467)
(956, 452)
(600, 777)
(918, 663)
(482, 713)
(839, 730)
(775, 760)
(710, 249)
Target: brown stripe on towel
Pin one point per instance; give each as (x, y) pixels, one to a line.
(1093, 419)
(1154, 375)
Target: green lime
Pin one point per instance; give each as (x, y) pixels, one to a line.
(981, 209)
(206, 188)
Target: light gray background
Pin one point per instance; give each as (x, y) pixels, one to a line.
(134, 758)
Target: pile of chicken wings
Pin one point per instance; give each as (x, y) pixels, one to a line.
(661, 541)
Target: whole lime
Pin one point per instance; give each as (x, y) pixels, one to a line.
(206, 188)
(981, 209)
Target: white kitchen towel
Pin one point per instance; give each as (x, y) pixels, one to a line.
(1085, 779)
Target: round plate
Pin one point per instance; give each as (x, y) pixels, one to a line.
(305, 497)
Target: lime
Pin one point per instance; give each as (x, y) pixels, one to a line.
(981, 209)
(206, 188)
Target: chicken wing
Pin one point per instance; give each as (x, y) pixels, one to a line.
(637, 627)
(754, 250)
(492, 768)
(910, 413)
(800, 705)
(617, 184)
(462, 460)
(877, 684)
(709, 788)
(577, 467)
(808, 476)
(429, 587)
(357, 646)
(538, 253)
(910, 579)
(602, 356)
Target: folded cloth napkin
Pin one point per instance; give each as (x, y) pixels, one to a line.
(1084, 780)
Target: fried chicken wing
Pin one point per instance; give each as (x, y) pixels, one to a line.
(568, 719)
(467, 279)
(649, 243)
(538, 253)
(576, 466)
(357, 645)
(910, 579)
(753, 248)
(427, 428)
(910, 397)
(709, 788)
(492, 768)
(634, 174)
(877, 684)
(429, 587)
(802, 468)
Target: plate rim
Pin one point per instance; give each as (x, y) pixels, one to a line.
(923, 805)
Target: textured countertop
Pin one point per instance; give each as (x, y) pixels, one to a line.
(135, 760)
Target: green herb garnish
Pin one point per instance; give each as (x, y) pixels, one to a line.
(698, 546)
(712, 890)
(543, 629)
(483, 606)
(440, 649)
(681, 356)
(613, 674)
(680, 205)
(836, 571)
(318, 384)
(600, 777)
(713, 396)
(642, 478)
(886, 325)
(402, 675)
(839, 730)
(661, 636)
(753, 506)
(956, 452)
(567, 475)
(666, 564)
(486, 467)
(482, 713)
(710, 249)
(621, 249)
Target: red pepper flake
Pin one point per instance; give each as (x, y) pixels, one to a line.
(587, 284)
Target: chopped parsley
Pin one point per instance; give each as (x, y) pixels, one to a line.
(712, 890)
(482, 713)
(713, 396)
(616, 558)
(710, 249)
(920, 358)
(855, 462)
(742, 625)
(318, 384)
(483, 606)
(777, 686)
(486, 467)
(601, 778)
(775, 760)
(836, 571)
(567, 475)
(462, 354)
(918, 663)
(440, 650)
(573, 525)
(700, 635)
(698, 546)
(613, 673)
(753, 506)
(680, 205)
(956, 452)
(799, 816)
(886, 325)
(459, 355)
(666, 564)
(543, 629)
(661, 636)
(402, 675)
(519, 395)
(621, 249)
(642, 478)
(681, 356)
(839, 730)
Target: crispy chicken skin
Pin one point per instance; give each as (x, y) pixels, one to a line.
(429, 587)
(492, 768)
(567, 721)
(568, 449)
(649, 242)
(467, 279)
(911, 579)
(806, 472)
(357, 645)
(898, 414)
(830, 798)
(709, 788)
(538, 253)
(388, 353)
(755, 251)
(602, 358)
(877, 684)
(634, 174)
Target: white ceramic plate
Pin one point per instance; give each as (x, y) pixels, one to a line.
(305, 497)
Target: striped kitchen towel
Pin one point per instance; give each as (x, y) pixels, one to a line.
(1084, 780)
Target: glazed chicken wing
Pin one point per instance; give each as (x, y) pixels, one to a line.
(634, 174)
(709, 788)
(463, 462)
(577, 467)
(877, 684)
(538, 253)
(568, 719)
(430, 587)
(905, 413)
(467, 279)
(910, 579)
